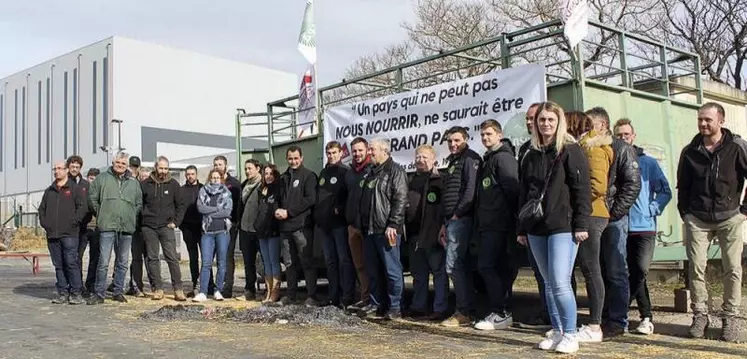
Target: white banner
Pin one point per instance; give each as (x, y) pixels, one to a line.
(418, 117)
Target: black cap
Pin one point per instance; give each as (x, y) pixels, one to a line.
(135, 161)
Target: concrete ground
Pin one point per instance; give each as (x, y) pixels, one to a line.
(32, 327)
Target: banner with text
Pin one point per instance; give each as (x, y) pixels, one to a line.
(417, 117)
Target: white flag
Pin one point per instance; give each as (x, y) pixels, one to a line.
(307, 38)
(575, 16)
(307, 104)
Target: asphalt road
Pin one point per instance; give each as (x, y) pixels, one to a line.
(32, 327)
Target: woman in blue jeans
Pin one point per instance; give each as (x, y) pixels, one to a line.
(268, 231)
(555, 172)
(215, 204)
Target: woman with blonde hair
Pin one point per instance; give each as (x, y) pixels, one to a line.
(597, 146)
(215, 204)
(554, 202)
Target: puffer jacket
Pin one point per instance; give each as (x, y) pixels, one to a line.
(389, 198)
(624, 180)
(598, 150)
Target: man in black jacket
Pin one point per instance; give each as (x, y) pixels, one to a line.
(248, 239)
(298, 195)
(221, 164)
(424, 218)
(624, 186)
(710, 177)
(497, 202)
(87, 235)
(162, 213)
(459, 183)
(191, 226)
(360, 167)
(382, 218)
(61, 211)
(331, 229)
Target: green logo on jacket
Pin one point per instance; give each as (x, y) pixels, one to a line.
(372, 184)
(321, 181)
(431, 197)
(486, 182)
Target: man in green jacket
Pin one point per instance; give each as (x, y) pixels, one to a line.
(116, 198)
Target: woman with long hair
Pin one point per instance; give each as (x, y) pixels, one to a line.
(597, 146)
(268, 232)
(215, 204)
(555, 205)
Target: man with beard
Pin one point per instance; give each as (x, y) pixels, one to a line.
(191, 226)
(360, 167)
(162, 213)
(248, 240)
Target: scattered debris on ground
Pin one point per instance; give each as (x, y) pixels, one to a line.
(27, 239)
(290, 314)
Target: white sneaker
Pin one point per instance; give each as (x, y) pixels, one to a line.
(495, 321)
(552, 342)
(646, 327)
(586, 334)
(217, 296)
(201, 297)
(567, 345)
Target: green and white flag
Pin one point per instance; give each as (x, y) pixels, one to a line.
(307, 38)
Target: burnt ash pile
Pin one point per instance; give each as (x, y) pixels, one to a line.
(289, 314)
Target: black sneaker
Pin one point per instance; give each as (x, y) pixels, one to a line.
(110, 288)
(76, 299)
(119, 298)
(60, 299)
(730, 329)
(356, 307)
(699, 326)
(95, 300)
(227, 294)
(368, 310)
(132, 291)
(612, 330)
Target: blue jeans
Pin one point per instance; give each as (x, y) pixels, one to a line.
(64, 255)
(340, 269)
(423, 263)
(615, 273)
(120, 243)
(556, 256)
(458, 234)
(213, 245)
(378, 252)
(270, 251)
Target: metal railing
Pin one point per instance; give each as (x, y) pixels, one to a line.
(608, 58)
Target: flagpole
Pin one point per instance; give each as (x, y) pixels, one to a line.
(317, 102)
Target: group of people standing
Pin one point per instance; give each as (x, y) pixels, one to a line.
(578, 192)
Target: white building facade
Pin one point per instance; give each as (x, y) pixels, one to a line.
(163, 101)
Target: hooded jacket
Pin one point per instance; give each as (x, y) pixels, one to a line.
(624, 180)
(567, 202)
(116, 200)
(188, 197)
(62, 210)
(297, 196)
(331, 196)
(709, 185)
(423, 215)
(266, 224)
(598, 150)
(215, 203)
(654, 197)
(353, 180)
(459, 183)
(498, 190)
(161, 202)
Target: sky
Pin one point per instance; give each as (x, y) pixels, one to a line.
(261, 32)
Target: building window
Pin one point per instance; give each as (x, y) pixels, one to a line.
(2, 132)
(23, 128)
(39, 125)
(93, 102)
(15, 129)
(49, 121)
(105, 85)
(64, 114)
(75, 111)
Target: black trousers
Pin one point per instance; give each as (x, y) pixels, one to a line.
(298, 248)
(191, 235)
(162, 239)
(230, 261)
(640, 254)
(90, 238)
(249, 245)
(497, 268)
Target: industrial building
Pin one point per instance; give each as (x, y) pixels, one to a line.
(119, 93)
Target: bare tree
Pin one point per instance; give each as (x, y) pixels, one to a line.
(716, 31)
